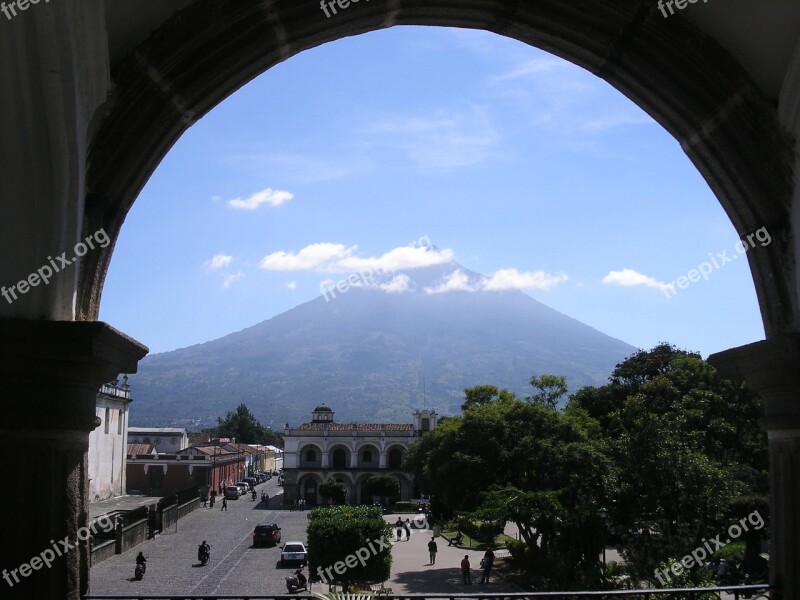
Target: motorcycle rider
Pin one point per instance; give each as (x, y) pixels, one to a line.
(203, 552)
(141, 566)
(301, 579)
(253, 494)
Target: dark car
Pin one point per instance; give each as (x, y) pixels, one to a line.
(266, 534)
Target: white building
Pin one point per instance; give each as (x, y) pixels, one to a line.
(167, 440)
(322, 449)
(107, 442)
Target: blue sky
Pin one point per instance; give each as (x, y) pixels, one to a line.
(521, 166)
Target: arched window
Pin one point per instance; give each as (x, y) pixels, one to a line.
(395, 458)
(426, 424)
(367, 456)
(339, 459)
(311, 456)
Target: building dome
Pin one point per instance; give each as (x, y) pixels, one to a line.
(323, 408)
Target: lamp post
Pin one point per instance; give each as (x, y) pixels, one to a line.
(603, 514)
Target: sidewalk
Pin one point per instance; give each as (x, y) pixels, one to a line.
(412, 573)
(120, 503)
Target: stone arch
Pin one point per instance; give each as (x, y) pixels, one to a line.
(668, 67)
(304, 456)
(339, 456)
(308, 487)
(395, 454)
(368, 455)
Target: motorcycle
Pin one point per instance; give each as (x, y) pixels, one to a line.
(297, 581)
(253, 495)
(204, 554)
(138, 573)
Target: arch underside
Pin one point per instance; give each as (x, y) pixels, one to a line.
(672, 70)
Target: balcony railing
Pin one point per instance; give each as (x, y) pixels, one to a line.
(746, 592)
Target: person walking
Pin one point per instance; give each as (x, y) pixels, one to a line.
(399, 528)
(432, 549)
(224, 504)
(466, 578)
(486, 564)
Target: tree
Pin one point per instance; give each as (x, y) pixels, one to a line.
(686, 447)
(242, 425)
(551, 388)
(334, 490)
(520, 461)
(383, 486)
(480, 395)
(338, 533)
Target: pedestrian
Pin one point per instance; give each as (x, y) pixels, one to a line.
(205, 501)
(399, 527)
(466, 578)
(212, 500)
(407, 527)
(432, 549)
(486, 564)
(224, 504)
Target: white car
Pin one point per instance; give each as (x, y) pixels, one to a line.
(294, 552)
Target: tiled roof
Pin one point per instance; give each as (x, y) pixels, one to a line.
(141, 449)
(318, 426)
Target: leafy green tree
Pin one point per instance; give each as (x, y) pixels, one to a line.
(334, 490)
(242, 425)
(551, 389)
(383, 486)
(686, 449)
(520, 461)
(480, 395)
(338, 536)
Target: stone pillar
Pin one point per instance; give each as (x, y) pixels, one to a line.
(50, 373)
(772, 368)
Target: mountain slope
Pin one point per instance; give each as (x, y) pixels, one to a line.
(372, 355)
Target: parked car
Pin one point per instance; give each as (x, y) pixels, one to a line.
(293, 552)
(267, 534)
(251, 481)
(267, 475)
(244, 487)
(232, 492)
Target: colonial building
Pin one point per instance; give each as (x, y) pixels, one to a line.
(322, 449)
(202, 467)
(106, 455)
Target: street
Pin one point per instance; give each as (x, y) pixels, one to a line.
(235, 566)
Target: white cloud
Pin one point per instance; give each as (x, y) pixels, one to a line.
(322, 256)
(231, 279)
(217, 262)
(398, 259)
(457, 281)
(337, 258)
(398, 284)
(511, 279)
(292, 285)
(631, 278)
(266, 196)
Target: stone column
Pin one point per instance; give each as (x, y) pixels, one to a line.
(50, 373)
(772, 368)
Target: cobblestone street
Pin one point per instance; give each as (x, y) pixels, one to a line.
(235, 566)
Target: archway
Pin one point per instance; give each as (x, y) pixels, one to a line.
(724, 128)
